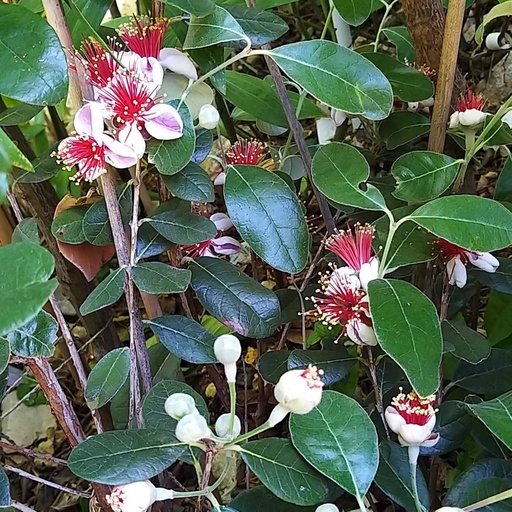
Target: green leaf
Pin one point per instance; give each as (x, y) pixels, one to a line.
(153, 411)
(423, 175)
(503, 191)
(5, 354)
(496, 415)
(67, 227)
(195, 7)
(394, 476)
(156, 277)
(121, 457)
(471, 222)
(400, 37)
(259, 26)
(407, 82)
(268, 216)
(273, 364)
(402, 128)
(337, 76)
(259, 99)
(235, 299)
(467, 344)
(26, 231)
(215, 28)
(338, 439)
(260, 499)
(338, 172)
(503, 9)
(34, 68)
(19, 114)
(10, 155)
(207, 59)
(501, 280)
(24, 286)
(279, 466)
(496, 317)
(204, 143)
(185, 338)
(5, 493)
(192, 183)
(35, 338)
(151, 243)
(491, 376)
(354, 12)
(407, 328)
(170, 156)
(106, 293)
(107, 377)
(44, 168)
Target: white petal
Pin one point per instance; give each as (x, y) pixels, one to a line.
(117, 154)
(220, 179)
(413, 106)
(393, 419)
(151, 71)
(414, 434)
(325, 130)
(89, 120)
(454, 120)
(494, 41)
(222, 221)
(130, 135)
(226, 245)
(457, 273)
(472, 117)
(507, 118)
(430, 441)
(208, 117)
(163, 122)
(177, 62)
(368, 272)
(484, 261)
(338, 116)
(428, 102)
(361, 333)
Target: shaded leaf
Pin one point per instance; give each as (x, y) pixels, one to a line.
(106, 293)
(402, 128)
(156, 277)
(192, 183)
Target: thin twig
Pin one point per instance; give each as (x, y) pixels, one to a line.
(19, 506)
(40, 480)
(372, 367)
(31, 453)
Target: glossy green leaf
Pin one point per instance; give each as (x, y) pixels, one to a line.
(107, 377)
(185, 338)
(5, 354)
(164, 365)
(394, 477)
(407, 82)
(471, 222)
(5, 493)
(26, 231)
(106, 293)
(34, 68)
(496, 317)
(464, 342)
(272, 364)
(67, 227)
(400, 37)
(192, 183)
(24, 287)
(280, 234)
(338, 172)
(153, 410)
(260, 499)
(503, 190)
(354, 12)
(402, 128)
(259, 26)
(35, 338)
(194, 7)
(207, 59)
(170, 156)
(496, 415)
(423, 175)
(121, 457)
(156, 277)
(259, 99)
(19, 114)
(280, 467)
(204, 143)
(44, 168)
(235, 299)
(215, 28)
(337, 76)
(408, 330)
(501, 280)
(151, 243)
(338, 439)
(491, 376)
(10, 155)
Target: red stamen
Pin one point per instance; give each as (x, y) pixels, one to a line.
(246, 152)
(312, 375)
(100, 65)
(448, 251)
(414, 409)
(353, 248)
(471, 101)
(143, 35)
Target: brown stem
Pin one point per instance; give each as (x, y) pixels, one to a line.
(446, 74)
(372, 367)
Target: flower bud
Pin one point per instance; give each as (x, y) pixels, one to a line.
(472, 117)
(300, 391)
(208, 117)
(179, 405)
(192, 428)
(228, 350)
(134, 497)
(222, 426)
(327, 507)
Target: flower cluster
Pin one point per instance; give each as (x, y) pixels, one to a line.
(457, 259)
(128, 89)
(343, 299)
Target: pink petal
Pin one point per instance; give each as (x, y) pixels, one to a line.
(177, 62)
(130, 135)
(163, 122)
(89, 120)
(222, 221)
(151, 71)
(117, 154)
(226, 245)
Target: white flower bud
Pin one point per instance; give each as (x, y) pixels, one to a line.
(472, 117)
(208, 117)
(325, 130)
(228, 350)
(484, 261)
(222, 221)
(192, 428)
(179, 405)
(134, 497)
(299, 391)
(222, 426)
(457, 273)
(327, 507)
